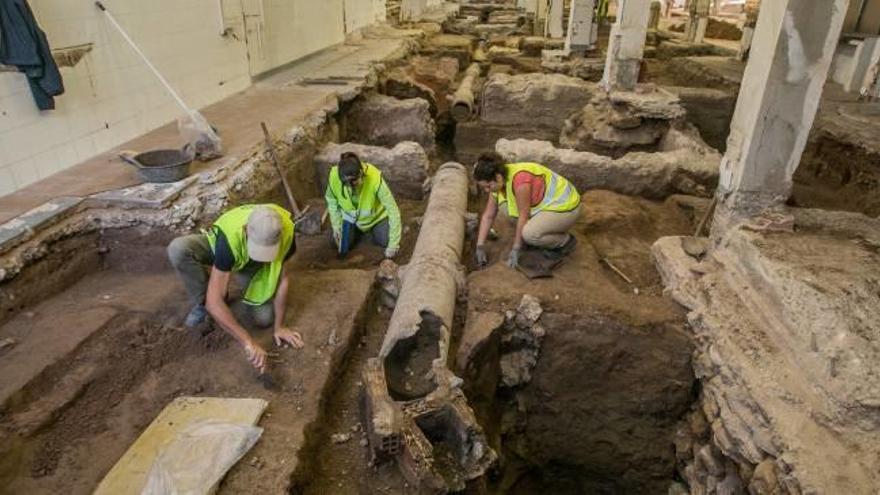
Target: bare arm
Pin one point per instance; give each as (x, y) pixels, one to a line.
(282, 333)
(486, 221)
(523, 197)
(215, 302)
(280, 301)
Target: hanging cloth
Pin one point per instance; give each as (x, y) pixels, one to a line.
(24, 45)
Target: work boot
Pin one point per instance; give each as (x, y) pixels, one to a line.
(562, 251)
(196, 316)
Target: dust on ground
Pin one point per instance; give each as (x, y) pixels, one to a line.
(613, 227)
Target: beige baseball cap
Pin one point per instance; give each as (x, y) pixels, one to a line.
(263, 234)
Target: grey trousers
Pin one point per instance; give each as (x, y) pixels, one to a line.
(192, 259)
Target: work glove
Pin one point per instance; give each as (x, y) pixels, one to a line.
(480, 257)
(513, 258)
(391, 252)
(337, 237)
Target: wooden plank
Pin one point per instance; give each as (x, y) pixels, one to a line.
(129, 474)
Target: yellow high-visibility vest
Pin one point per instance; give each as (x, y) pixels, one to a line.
(369, 210)
(264, 283)
(559, 194)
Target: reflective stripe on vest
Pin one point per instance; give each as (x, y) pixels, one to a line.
(370, 210)
(264, 283)
(559, 194)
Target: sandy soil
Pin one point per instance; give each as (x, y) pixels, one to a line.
(614, 375)
(618, 228)
(77, 419)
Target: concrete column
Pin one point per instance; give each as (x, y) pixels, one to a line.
(411, 10)
(555, 15)
(700, 32)
(626, 45)
(752, 10)
(656, 13)
(580, 26)
(793, 46)
(698, 20)
(541, 9)
(531, 6)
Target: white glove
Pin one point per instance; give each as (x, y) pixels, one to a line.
(391, 252)
(337, 237)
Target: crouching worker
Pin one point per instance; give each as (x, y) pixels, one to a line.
(360, 203)
(544, 204)
(253, 242)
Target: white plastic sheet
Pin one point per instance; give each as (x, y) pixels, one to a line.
(198, 458)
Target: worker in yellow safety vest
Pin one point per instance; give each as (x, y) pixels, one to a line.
(544, 204)
(360, 202)
(252, 241)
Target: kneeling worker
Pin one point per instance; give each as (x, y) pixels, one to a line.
(252, 241)
(360, 202)
(544, 204)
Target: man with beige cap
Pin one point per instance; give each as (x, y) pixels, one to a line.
(252, 241)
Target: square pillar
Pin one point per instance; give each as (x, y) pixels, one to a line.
(698, 20)
(626, 45)
(581, 29)
(792, 50)
(411, 10)
(555, 15)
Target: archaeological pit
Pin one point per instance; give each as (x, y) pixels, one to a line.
(715, 331)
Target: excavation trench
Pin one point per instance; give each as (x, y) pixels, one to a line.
(590, 409)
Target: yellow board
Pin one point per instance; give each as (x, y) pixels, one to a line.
(129, 474)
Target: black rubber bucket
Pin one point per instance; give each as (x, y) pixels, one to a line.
(161, 165)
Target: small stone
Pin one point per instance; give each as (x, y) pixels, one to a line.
(363, 442)
(356, 427)
(8, 342)
(636, 290)
(339, 438)
(538, 331)
(530, 307)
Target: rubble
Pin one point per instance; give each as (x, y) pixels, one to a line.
(521, 342)
(451, 45)
(615, 123)
(339, 438)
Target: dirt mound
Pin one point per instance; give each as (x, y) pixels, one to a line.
(723, 30)
(717, 29)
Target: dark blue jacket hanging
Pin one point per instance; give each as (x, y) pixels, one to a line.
(24, 45)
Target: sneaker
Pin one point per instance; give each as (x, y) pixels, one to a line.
(196, 316)
(562, 251)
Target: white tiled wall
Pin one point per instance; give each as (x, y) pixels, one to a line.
(112, 97)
